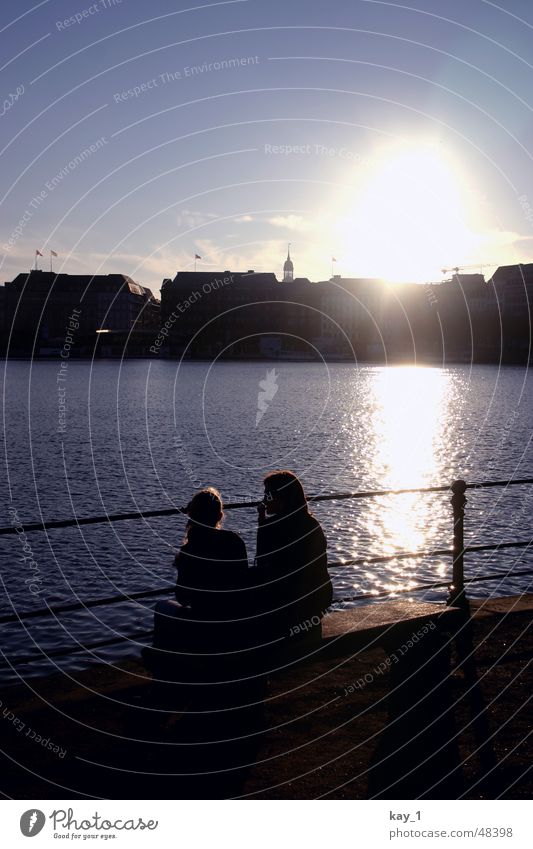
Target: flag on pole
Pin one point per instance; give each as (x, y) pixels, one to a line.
(53, 253)
(333, 259)
(38, 253)
(197, 256)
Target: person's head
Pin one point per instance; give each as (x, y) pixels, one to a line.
(284, 493)
(205, 509)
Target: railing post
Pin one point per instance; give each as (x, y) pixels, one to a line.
(456, 590)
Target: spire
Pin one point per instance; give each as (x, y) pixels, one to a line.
(288, 267)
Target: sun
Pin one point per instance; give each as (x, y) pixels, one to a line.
(407, 218)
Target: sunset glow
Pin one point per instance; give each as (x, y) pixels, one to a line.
(408, 218)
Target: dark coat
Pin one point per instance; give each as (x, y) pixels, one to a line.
(212, 568)
(291, 575)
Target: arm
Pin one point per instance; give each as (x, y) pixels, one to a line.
(266, 543)
(259, 546)
(241, 557)
(320, 569)
(182, 564)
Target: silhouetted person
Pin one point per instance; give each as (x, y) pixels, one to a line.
(198, 654)
(212, 565)
(294, 588)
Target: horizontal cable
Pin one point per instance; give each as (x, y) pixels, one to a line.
(362, 561)
(32, 658)
(239, 505)
(93, 520)
(436, 552)
(78, 605)
(144, 634)
(494, 577)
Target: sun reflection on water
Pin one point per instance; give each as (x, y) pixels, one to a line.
(407, 422)
(409, 413)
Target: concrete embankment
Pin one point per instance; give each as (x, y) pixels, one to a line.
(400, 700)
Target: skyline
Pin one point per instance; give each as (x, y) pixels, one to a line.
(44, 262)
(391, 138)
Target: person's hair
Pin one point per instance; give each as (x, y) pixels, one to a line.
(204, 510)
(286, 487)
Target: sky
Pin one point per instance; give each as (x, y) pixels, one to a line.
(394, 139)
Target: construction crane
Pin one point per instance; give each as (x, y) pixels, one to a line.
(457, 268)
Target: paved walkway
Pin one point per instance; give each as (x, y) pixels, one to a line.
(345, 724)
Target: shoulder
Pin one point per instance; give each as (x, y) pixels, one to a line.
(314, 521)
(307, 523)
(225, 534)
(188, 549)
(230, 538)
(315, 528)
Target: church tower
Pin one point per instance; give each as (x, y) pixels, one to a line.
(288, 267)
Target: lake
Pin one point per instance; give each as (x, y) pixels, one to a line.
(88, 439)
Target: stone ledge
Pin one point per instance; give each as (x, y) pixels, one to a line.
(371, 624)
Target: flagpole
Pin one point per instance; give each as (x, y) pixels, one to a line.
(195, 264)
(50, 260)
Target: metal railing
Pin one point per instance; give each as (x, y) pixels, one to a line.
(237, 505)
(456, 588)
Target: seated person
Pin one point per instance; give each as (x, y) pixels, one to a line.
(212, 565)
(293, 585)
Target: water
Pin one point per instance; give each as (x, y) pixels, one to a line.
(143, 435)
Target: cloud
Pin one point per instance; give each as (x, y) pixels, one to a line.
(244, 219)
(501, 238)
(291, 222)
(190, 218)
(503, 247)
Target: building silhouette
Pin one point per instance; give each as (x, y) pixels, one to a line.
(253, 315)
(511, 289)
(112, 311)
(230, 313)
